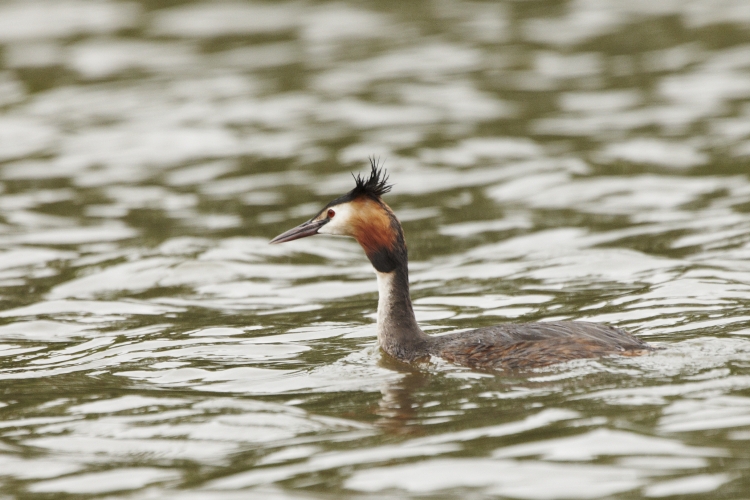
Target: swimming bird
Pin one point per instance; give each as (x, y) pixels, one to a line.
(362, 214)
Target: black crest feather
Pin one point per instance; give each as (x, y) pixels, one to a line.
(375, 185)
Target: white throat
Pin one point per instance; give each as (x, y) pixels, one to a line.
(385, 301)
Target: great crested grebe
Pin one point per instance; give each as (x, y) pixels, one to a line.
(363, 215)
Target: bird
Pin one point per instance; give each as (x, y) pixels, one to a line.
(363, 215)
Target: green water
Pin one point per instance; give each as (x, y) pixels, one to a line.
(581, 160)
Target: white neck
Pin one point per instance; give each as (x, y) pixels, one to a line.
(385, 302)
(398, 332)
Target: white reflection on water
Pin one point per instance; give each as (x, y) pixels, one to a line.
(604, 442)
(40, 20)
(204, 20)
(103, 482)
(502, 477)
(701, 483)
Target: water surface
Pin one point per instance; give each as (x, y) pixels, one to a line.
(581, 160)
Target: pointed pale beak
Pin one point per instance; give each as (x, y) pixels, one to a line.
(304, 230)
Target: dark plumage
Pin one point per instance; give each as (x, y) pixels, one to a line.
(374, 186)
(363, 215)
(527, 345)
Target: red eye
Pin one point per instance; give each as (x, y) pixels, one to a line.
(331, 213)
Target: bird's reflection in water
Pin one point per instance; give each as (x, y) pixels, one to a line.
(398, 409)
(402, 410)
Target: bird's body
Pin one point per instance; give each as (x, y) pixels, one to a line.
(528, 345)
(363, 215)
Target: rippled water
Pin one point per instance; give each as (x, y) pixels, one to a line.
(580, 160)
